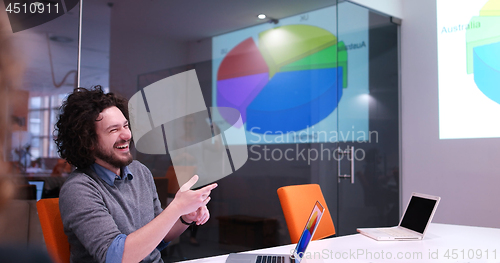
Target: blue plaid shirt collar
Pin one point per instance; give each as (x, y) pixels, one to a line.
(110, 177)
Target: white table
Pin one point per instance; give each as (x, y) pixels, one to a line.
(442, 243)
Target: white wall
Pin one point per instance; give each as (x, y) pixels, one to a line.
(463, 172)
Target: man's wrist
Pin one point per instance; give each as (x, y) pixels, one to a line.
(187, 223)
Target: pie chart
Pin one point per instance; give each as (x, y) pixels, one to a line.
(487, 70)
(291, 79)
(483, 49)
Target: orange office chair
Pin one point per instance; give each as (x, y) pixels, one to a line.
(297, 202)
(53, 231)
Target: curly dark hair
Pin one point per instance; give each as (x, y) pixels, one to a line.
(75, 132)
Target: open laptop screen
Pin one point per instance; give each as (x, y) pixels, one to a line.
(39, 188)
(308, 232)
(418, 214)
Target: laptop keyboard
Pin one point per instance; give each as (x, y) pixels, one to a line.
(395, 232)
(270, 259)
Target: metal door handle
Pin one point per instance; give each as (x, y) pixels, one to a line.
(350, 152)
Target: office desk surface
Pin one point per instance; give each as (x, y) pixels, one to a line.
(442, 243)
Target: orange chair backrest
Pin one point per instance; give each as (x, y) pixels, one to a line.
(53, 230)
(297, 202)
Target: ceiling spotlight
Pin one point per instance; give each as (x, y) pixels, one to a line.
(271, 20)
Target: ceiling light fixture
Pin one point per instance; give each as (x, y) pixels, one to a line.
(271, 20)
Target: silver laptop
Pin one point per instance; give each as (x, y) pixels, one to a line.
(414, 222)
(299, 251)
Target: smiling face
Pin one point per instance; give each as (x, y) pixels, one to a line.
(113, 140)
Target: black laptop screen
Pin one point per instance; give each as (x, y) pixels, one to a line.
(418, 213)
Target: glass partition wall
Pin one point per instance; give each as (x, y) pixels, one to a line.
(49, 61)
(370, 197)
(316, 87)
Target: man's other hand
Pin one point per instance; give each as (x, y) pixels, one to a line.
(200, 216)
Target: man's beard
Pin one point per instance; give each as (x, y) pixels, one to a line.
(112, 158)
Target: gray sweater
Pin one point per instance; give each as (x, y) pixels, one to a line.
(95, 213)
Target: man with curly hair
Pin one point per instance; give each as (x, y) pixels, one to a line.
(109, 205)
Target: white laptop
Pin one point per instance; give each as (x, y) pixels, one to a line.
(414, 222)
(299, 251)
